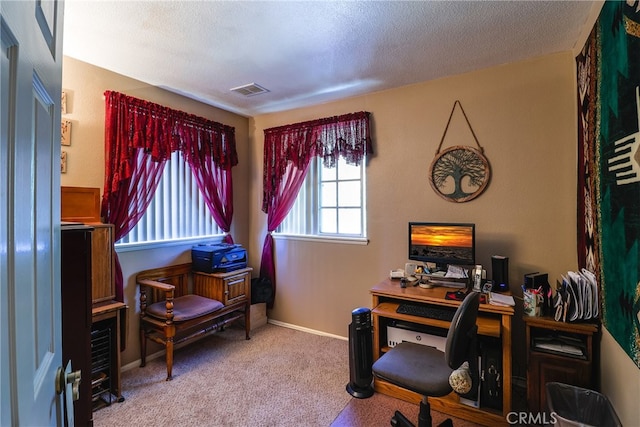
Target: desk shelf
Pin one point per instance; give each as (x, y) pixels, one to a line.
(488, 324)
(493, 322)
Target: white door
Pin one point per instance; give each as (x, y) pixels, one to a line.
(30, 318)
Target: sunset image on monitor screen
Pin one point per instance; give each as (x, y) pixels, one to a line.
(429, 235)
(442, 241)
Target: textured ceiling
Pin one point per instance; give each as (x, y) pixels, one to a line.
(307, 53)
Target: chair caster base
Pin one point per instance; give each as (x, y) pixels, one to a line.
(399, 420)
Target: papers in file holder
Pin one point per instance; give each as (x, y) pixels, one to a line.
(576, 297)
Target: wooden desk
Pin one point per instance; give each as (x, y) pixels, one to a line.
(493, 321)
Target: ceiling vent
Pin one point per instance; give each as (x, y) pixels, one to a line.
(251, 89)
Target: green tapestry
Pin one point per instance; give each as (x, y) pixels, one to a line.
(609, 128)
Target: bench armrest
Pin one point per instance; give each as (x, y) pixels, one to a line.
(157, 285)
(167, 288)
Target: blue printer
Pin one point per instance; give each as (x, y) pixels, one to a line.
(218, 257)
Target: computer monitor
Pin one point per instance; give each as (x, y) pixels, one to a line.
(442, 243)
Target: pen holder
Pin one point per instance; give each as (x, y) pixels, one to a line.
(532, 302)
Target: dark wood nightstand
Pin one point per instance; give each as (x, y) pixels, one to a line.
(552, 356)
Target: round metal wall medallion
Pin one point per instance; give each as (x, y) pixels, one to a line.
(459, 173)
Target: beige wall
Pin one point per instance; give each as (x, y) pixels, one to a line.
(620, 380)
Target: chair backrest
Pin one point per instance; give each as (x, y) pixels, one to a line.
(462, 331)
(176, 275)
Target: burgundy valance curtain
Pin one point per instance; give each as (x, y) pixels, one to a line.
(288, 151)
(139, 138)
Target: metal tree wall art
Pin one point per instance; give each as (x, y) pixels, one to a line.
(459, 173)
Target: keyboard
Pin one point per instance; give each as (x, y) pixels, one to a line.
(424, 310)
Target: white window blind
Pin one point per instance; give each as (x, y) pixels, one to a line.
(177, 211)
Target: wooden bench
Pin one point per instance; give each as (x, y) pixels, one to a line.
(177, 305)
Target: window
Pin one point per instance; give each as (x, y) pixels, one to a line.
(331, 203)
(176, 213)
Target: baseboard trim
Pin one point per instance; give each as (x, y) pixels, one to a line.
(303, 329)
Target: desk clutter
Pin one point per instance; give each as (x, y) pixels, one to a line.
(575, 297)
(421, 275)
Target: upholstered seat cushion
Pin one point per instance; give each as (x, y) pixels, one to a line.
(401, 366)
(186, 307)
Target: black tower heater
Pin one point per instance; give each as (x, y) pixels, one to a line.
(360, 354)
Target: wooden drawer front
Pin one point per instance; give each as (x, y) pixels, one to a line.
(544, 368)
(235, 289)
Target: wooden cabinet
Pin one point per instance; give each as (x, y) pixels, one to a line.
(102, 259)
(493, 323)
(76, 313)
(228, 288)
(80, 204)
(91, 299)
(102, 263)
(547, 361)
(92, 320)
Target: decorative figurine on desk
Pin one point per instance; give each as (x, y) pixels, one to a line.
(421, 272)
(487, 287)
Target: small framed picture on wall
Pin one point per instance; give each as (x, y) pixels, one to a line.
(65, 129)
(63, 103)
(63, 162)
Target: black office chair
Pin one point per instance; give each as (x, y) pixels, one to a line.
(426, 370)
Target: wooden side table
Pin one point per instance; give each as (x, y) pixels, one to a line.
(555, 363)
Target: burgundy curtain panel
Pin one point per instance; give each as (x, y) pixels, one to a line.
(288, 151)
(211, 154)
(139, 138)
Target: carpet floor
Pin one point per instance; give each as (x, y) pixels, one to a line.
(281, 377)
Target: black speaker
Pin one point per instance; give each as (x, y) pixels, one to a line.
(360, 354)
(500, 273)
